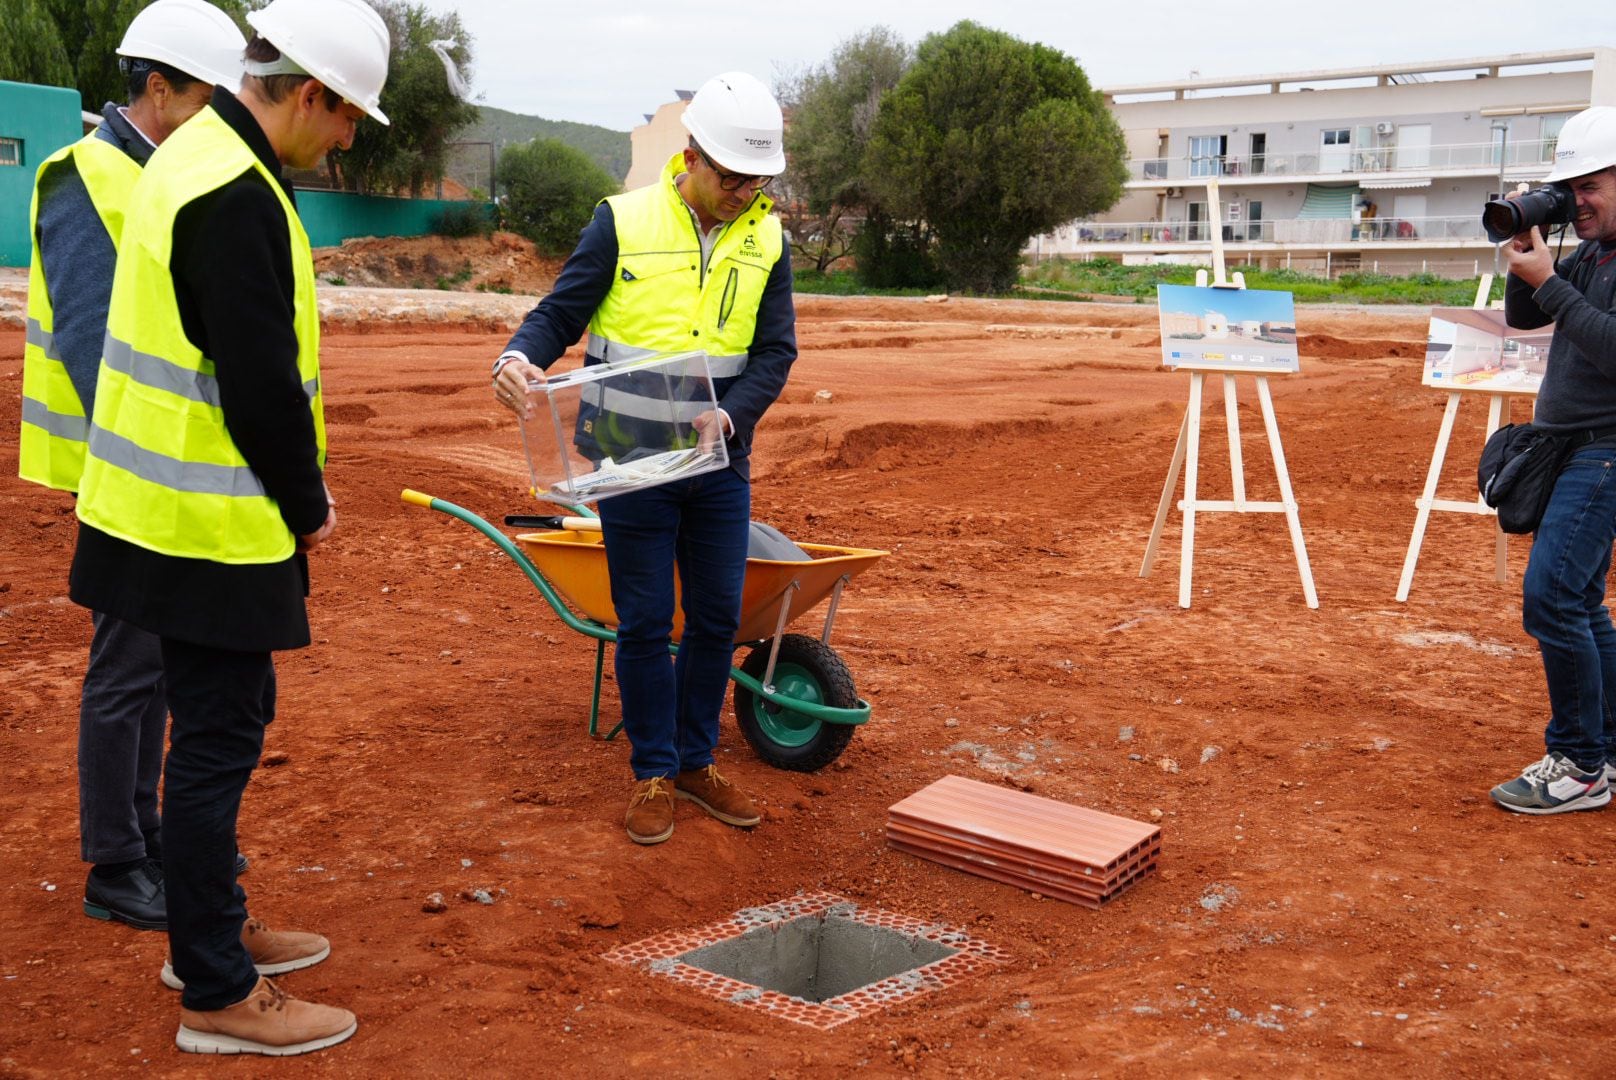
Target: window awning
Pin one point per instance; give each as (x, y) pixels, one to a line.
(1399, 182)
(1323, 202)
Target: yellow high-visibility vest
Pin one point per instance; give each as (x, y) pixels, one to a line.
(162, 471)
(50, 448)
(663, 300)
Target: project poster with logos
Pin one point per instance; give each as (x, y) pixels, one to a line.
(1207, 329)
(1476, 349)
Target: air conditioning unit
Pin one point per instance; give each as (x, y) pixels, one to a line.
(1385, 127)
(1174, 192)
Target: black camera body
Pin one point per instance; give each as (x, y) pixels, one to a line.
(1551, 204)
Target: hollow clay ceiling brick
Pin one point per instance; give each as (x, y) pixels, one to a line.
(1043, 845)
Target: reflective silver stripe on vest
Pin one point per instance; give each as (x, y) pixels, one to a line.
(237, 481)
(604, 349)
(42, 339)
(159, 374)
(643, 408)
(154, 371)
(61, 425)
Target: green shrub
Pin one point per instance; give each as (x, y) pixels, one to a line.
(463, 219)
(550, 192)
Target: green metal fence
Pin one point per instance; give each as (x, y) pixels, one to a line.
(334, 216)
(36, 121)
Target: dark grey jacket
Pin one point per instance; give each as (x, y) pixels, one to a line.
(1579, 387)
(78, 257)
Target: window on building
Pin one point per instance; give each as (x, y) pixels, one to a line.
(1198, 229)
(1206, 154)
(1335, 150)
(1259, 152)
(1254, 220)
(1551, 134)
(10, 151)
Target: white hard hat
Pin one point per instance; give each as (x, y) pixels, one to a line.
(737, 122)
(343, 43)
(1587, 144)
(191, 35)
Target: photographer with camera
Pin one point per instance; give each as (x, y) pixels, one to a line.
(1564, 590)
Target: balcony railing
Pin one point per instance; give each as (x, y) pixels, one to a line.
(1279, 231)
(1344, 160)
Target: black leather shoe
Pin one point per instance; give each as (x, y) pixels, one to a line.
(135, 898)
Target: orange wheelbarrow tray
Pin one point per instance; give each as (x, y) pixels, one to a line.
(794, 696)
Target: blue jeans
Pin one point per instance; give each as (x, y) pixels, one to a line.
(1563, 607)
(671, 707)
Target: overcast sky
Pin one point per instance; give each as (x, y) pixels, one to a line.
(610, 62)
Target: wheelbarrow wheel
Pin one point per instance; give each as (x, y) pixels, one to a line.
(808, 669)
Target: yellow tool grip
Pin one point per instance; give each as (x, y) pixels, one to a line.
(416, 498)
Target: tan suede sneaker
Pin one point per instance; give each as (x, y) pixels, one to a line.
(266, 1021)
(273, 952)
(650, 811)
(717, 796)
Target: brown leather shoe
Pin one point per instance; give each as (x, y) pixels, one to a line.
(650, 811)
(717, 796)
(273, 952)
(266, 1021)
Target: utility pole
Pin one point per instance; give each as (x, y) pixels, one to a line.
(1501, 138)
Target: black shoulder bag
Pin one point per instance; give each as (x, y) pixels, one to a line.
(1519, 466)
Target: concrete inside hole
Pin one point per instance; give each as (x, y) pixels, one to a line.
(817, 957)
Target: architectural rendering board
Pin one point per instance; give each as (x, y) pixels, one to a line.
(1212, 329)
(1471, 349)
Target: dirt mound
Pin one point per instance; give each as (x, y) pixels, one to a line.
(501, 263)
(1325, 347)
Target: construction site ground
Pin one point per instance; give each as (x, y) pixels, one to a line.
(1337, 896)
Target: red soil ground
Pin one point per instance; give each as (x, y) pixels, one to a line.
(1337, 895)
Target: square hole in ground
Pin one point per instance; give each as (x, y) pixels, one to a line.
(817, 959)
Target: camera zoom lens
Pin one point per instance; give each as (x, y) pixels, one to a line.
(1501, 219)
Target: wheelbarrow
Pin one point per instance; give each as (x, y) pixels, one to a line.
(794, 696)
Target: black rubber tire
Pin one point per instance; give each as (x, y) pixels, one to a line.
(803, 658)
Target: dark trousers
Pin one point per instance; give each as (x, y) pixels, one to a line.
(220, 701)
(123, 718)
(1564, 607)
(671, 708)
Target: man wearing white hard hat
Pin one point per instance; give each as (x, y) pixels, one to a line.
(173, 54)
(1564, 588)
(693, 261)
(204, 490)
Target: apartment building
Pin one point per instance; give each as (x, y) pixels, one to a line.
(1374, 168)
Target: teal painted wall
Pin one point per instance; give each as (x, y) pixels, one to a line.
(45, 119)
(334, 216)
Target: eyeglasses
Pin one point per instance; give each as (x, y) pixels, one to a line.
(734, 181)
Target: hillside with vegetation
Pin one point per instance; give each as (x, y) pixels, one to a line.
(610, 149)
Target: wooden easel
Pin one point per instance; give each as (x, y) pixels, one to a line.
(1187, 454)
(1498, 403)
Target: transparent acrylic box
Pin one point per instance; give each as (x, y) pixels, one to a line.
(622, 427)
